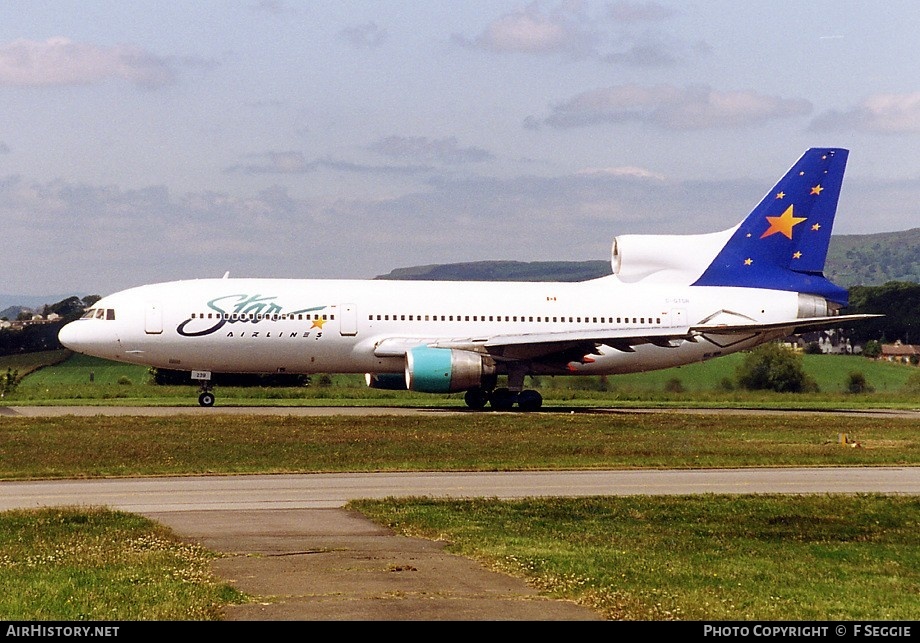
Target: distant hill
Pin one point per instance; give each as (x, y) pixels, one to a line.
(505, 271)
(13, 312)
(29, 301)
(874, 259)
(853, 260)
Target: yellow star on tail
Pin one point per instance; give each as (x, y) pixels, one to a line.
(783, 224)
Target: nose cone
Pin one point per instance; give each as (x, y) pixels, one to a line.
(69, 336)
(91, 337)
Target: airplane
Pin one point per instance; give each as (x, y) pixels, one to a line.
(671, 300)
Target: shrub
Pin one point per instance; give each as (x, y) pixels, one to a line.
(872, 349)
(674, 385)
(771, 367)
(912, 385)
(8, 382)
(813, 348)
(857, 383)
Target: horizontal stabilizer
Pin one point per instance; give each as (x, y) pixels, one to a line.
(791, 325)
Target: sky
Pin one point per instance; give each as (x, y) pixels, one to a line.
(149, 141)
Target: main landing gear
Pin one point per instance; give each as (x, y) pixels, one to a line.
(503, 399)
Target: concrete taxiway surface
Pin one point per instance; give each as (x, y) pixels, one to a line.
(308, 411)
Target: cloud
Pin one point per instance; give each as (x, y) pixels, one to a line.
(422, 149)
(274, 7)
(293, 162)
(611, 36)
(624, 11)
(880, 113)
(60, 61)
(649, 50)
(628, 170)
(533, 31)
(4, 148)
(285, 162)
(61, 236)
(366, 36)
(670, 107)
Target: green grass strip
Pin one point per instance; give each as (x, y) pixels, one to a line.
(814, 558)
(92, 564)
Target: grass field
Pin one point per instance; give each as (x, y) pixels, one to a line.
(699, 558)
(30, 362)
(648, 558)
(97, 446)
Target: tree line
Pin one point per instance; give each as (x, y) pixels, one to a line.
(898, 301)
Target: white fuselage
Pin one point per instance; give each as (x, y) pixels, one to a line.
(351, 326)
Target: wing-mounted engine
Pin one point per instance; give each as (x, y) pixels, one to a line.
(446, 370)
(665, 257)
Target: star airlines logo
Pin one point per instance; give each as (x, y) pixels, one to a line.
(782, 224)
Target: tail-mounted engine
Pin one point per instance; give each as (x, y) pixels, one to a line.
(664, 257)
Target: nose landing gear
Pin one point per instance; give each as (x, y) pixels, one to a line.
(206, 395)
(206, 398)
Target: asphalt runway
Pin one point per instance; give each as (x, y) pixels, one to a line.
(288, 539)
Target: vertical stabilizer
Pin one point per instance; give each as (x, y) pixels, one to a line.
(783, 243)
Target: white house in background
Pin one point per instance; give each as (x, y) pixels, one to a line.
(833, 341)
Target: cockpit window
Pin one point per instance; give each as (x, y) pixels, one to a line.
(99, 313)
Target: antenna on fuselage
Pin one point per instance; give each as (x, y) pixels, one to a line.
(227, 275)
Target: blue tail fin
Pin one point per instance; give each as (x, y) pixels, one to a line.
(782, 244)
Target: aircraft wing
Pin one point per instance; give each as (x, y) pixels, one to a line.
(574, 345)
(571, 345)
